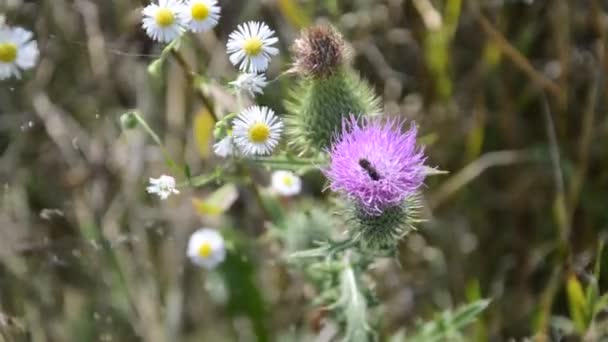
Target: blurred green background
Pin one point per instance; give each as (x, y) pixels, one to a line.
(510, 97)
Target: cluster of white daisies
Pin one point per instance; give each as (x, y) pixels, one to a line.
(250, 46)
(255, 131)
(206, 247)
(169, 19)
(18, 51)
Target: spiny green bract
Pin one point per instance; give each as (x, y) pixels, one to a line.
(380, 234)
(317, 107)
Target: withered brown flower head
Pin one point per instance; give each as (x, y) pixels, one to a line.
(319, 51)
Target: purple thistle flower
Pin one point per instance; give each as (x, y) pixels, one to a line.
(376, 164)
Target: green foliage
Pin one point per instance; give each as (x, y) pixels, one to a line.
(244, 297)
(317, 107)
(447, 325)
(290, 162)
(437, 47)
(354, 305)
(585, 303)
(301, 229)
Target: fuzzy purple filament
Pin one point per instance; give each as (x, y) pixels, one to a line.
(376, 164)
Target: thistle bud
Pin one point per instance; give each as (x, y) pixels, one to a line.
(328, 90)
(380, 234)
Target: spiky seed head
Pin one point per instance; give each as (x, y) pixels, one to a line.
(319, 51)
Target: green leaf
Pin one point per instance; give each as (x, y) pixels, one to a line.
(433, 171)
(201, 180)
(601, 304)
(473, 293)
(593, 289)
(576, 303)
(355, 308)
(187, 172)
(218, 202)
(275, 210)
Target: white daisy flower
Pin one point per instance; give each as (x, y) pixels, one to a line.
(257, 130)
(163, 186)
(224, 147)
(201, 15)
(250, 45)
(286, 183)
(164, 22)
(206, 248)
(17, 51)
(250, 83)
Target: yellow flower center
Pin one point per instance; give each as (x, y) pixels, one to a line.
(253, 46)
(259, 132)
(8, 52)
(164, 17)
(200, 11)
(205, 250)
(287, 181)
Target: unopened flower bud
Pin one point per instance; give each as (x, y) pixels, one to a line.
(128, 120)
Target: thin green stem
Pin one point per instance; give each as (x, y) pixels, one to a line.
(564, 253)
(246, 174)
(191, 76)
(294, 161)
(326, 251)
(156, 138)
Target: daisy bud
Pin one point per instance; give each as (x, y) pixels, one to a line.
(327, 92)
(128, 121)
(155, 68)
